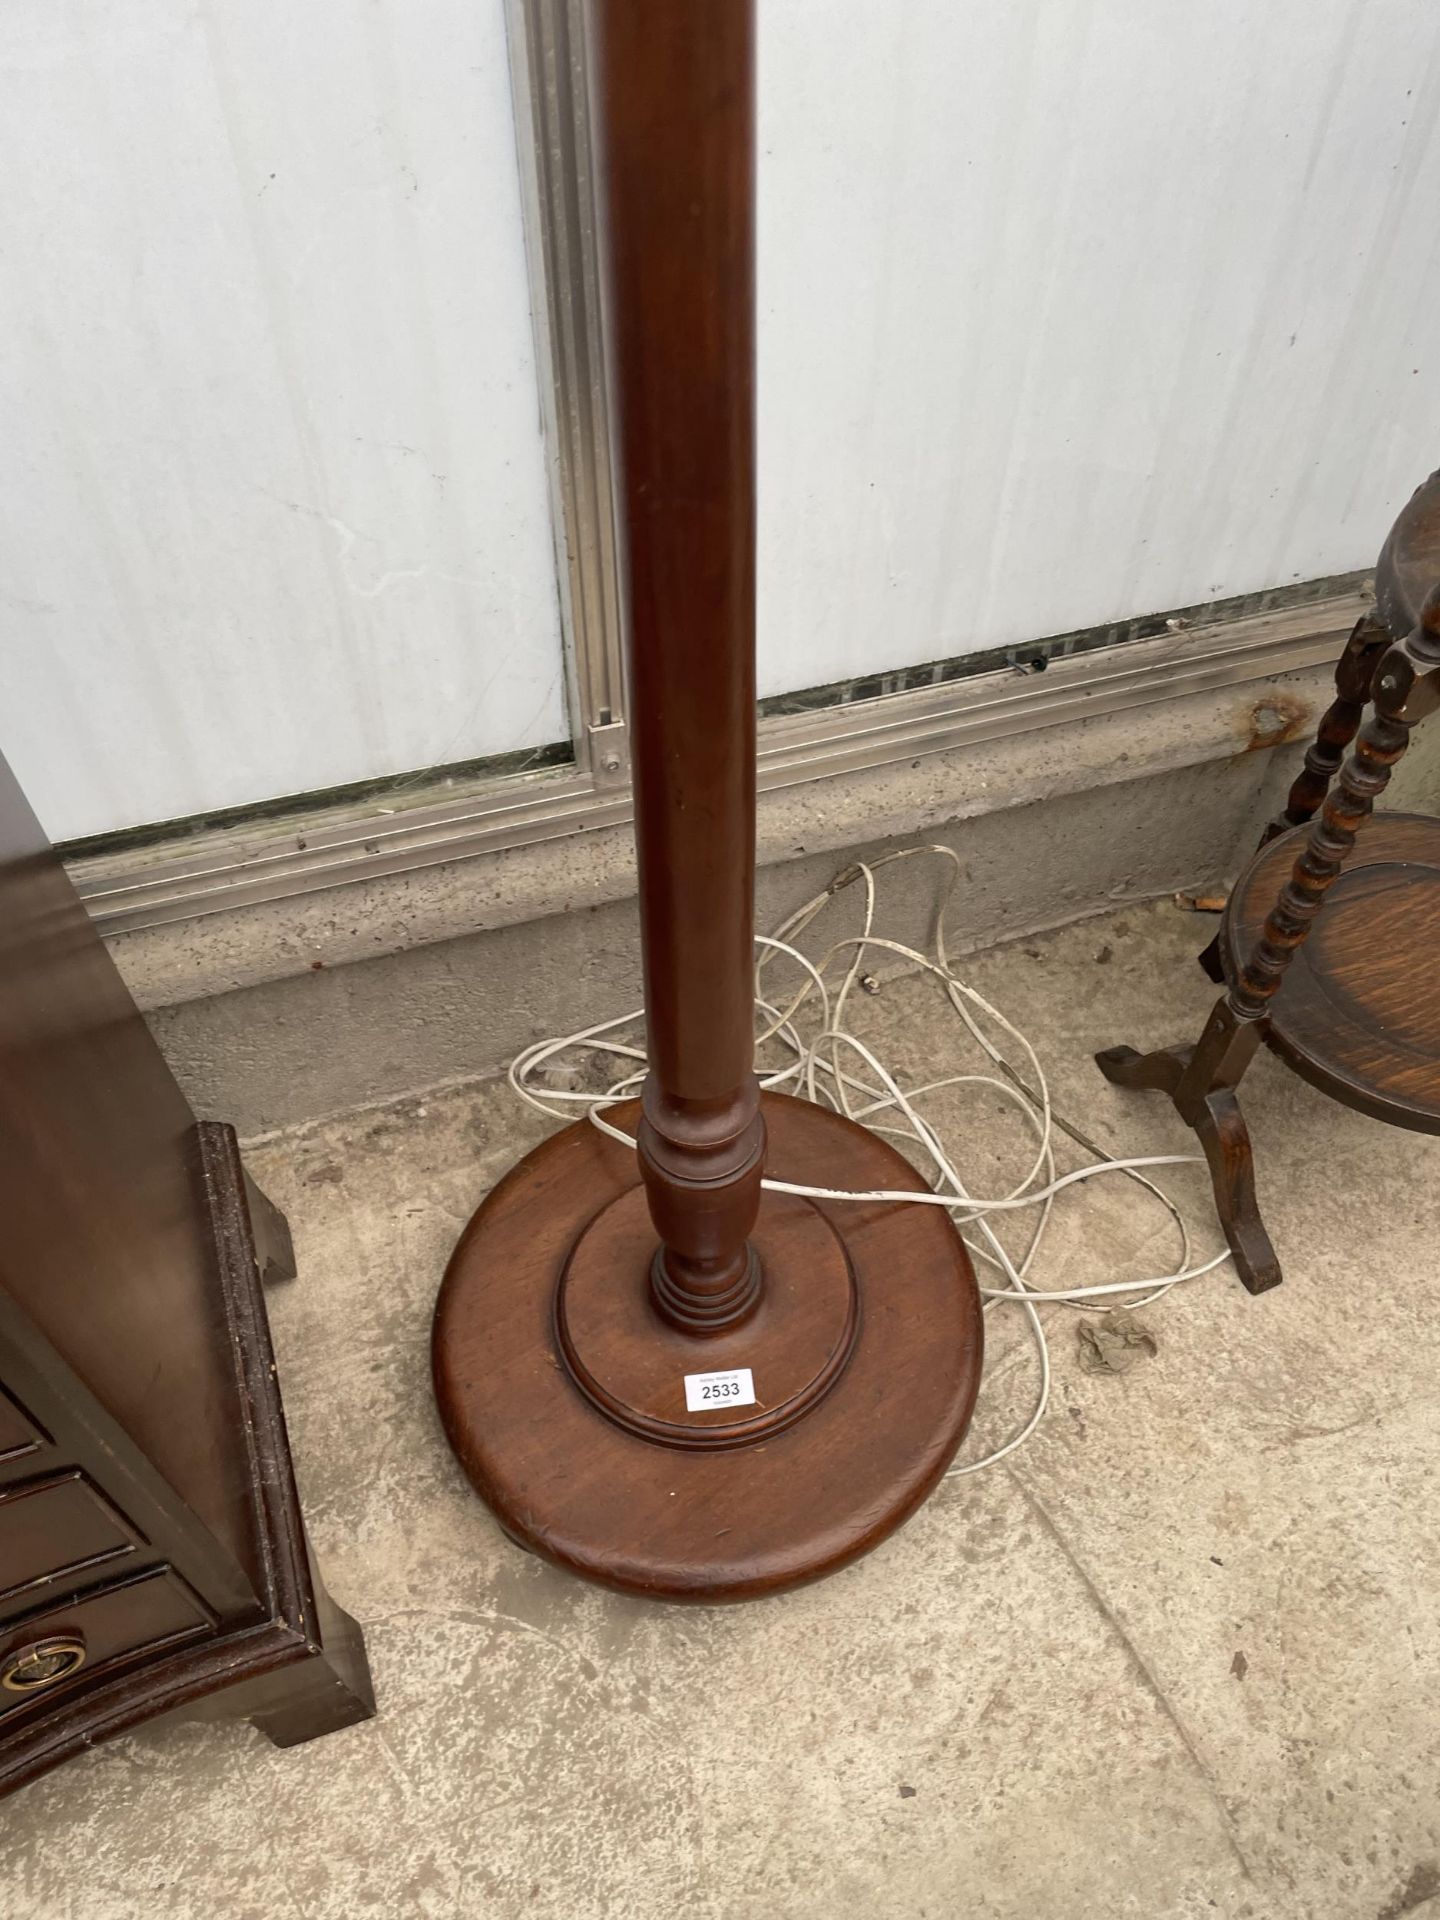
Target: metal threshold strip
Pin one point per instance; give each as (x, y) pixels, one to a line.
(248, 865)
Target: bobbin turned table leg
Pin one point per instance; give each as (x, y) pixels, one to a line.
(1405, 686)
(1326, 754)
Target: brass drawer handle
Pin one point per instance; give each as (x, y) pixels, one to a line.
(42, 1663)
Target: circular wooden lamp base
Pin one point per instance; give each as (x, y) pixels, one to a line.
(562, 1389)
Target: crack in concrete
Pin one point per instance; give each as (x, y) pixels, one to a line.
(1141, 1665)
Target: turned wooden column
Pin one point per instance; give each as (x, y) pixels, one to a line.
(776, 1385)
(675, 121)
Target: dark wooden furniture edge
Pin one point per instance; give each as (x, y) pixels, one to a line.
(1392, 664)
(1326, 1076)
(301, 1672)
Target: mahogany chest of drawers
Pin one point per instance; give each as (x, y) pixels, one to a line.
(152, 1553)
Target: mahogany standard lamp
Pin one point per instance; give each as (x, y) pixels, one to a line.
(596, 1288)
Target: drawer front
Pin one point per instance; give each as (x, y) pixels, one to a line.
(53, 1530)
(57, 1649)
(19, 1435)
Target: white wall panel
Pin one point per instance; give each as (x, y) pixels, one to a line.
(1079, 309)
(273, 508)
(1070, 310)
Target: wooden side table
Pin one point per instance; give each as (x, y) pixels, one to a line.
(1329, 939)
(152, 1553)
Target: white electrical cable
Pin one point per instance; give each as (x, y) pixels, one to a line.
(813, 1069)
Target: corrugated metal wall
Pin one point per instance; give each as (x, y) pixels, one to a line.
(1070, 309)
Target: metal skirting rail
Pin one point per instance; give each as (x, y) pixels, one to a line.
(251, 863)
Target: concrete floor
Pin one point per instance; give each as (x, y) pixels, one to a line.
(1180, 1656)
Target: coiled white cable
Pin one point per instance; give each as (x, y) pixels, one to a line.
(813, 1069)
